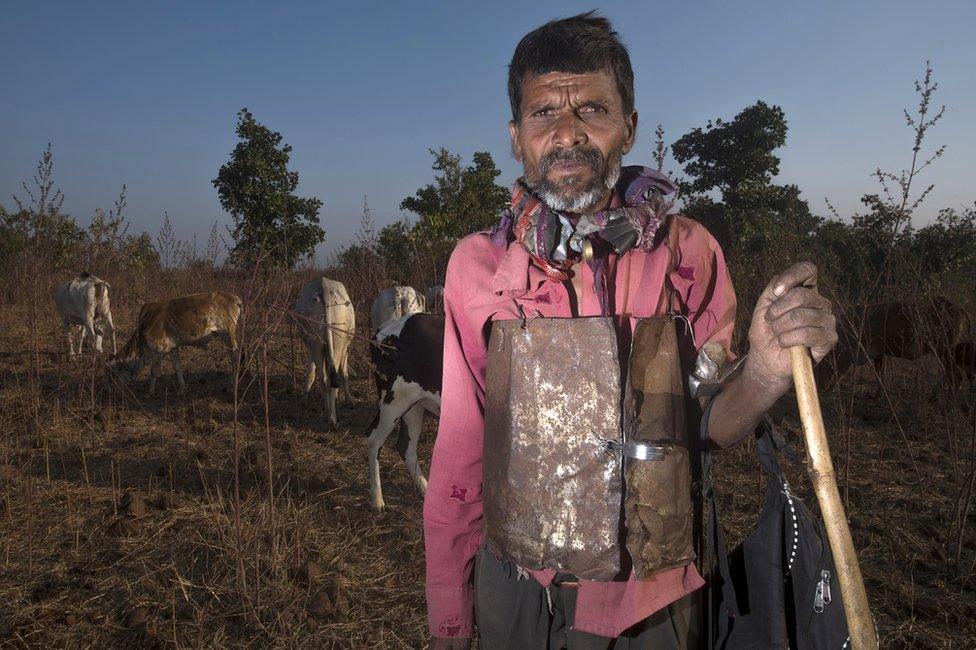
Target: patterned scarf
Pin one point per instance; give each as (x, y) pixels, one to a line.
(531, 223)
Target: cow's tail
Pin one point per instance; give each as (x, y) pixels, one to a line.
(130, 349)
(330, 360)
(102, 307)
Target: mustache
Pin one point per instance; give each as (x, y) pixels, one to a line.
(586, 155)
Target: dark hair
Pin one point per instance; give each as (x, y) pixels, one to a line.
(583, 43)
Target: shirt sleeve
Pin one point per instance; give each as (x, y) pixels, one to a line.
(702, 279)
(453, 501)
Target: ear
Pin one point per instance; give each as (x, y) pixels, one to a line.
(513, 133)
(631, 132)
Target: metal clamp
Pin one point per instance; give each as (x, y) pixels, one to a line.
(634, 450)
(712, 372)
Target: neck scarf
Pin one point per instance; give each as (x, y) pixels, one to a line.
(533, 225)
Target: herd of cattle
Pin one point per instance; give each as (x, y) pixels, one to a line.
(406, 346)
(406, 350)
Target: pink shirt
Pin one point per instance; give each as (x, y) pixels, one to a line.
(484, 282)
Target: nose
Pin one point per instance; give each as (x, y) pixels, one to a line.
(568, 131)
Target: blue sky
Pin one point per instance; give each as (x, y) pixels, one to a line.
(146, 93)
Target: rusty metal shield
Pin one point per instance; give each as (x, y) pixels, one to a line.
(658, 505)
(552, 491)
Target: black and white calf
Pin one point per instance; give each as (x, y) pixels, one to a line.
(408, 355)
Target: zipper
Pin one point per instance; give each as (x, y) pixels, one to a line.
(793, 525)
(822, 596)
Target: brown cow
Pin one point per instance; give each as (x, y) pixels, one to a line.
(908, 331)
(164, 327)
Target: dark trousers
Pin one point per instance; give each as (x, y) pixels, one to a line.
(515, 613)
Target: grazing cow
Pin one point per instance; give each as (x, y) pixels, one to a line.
(83, 305)
(435, 299)
(908, 331)
(393, 303)
(408, 354)
(164, 327)
(327, 323)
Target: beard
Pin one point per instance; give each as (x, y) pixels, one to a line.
(573, 194)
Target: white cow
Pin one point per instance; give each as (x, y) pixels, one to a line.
(327, 324)
(395, 302)
(435, 299)
(83, 305)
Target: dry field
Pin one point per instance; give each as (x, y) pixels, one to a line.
(118, 524)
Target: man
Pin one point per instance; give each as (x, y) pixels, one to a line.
(583, 238)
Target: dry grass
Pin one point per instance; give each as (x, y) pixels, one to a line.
(78, 569)
(82, 564)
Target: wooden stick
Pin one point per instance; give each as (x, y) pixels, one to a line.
(860, 625)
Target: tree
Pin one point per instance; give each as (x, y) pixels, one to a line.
(396, 244)
(257, 189)
(140, 254)
(769, 225)
(460, 201)
(728, 156)
(38, 227)
(61, 240)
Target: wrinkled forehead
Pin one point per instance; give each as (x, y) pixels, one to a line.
(553, 85)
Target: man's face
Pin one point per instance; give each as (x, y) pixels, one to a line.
(571, 137)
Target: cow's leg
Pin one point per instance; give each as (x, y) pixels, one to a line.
(319, 360)
(385, 422)
(233, 357)
(111, 329)
(878, 363)
(413, 419)
(92, 332)
(81, 337)
(314, 359)
(344, 373)
(174, 358)
(329, 389)
(71, 340)
(154, 373)
(331, 392)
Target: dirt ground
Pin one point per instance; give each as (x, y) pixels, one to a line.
(118, 524)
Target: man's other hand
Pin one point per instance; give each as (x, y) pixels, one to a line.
(789, 312)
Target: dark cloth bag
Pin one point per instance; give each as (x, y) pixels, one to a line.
(778, 589)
